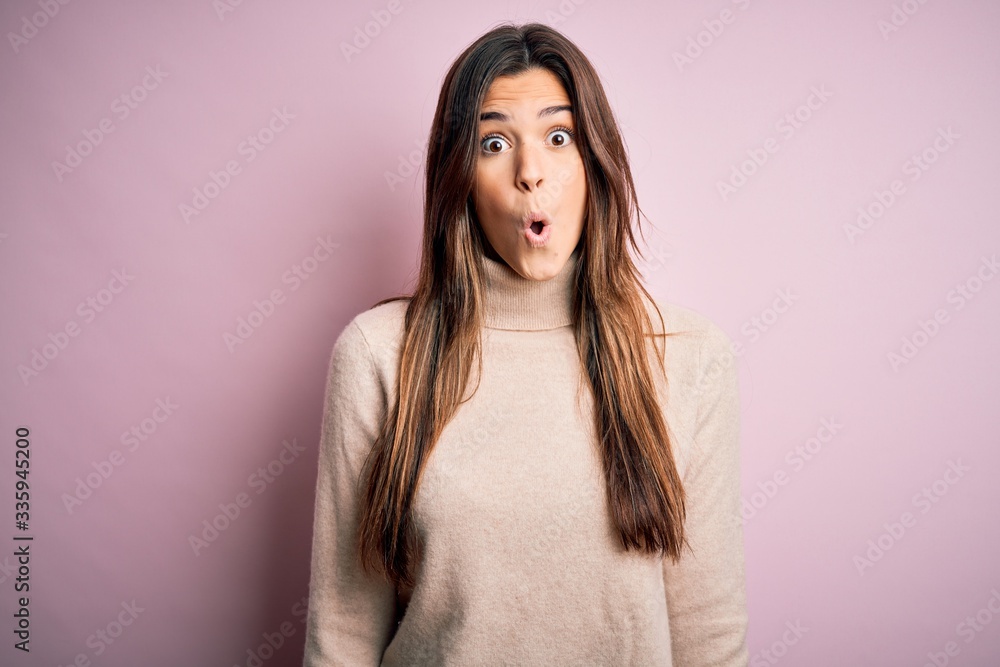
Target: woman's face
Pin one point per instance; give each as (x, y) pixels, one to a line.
(528, 161)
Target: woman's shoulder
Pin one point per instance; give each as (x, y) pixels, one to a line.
(384, 319)
(678, 319)
(377, 331)
(365, 353)
(692, 336)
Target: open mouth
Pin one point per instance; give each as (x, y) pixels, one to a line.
(537, 229)
(535, 220)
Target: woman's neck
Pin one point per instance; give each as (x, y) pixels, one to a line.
(517, 303)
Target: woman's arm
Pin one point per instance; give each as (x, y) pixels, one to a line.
(706, 591)
(351, 615)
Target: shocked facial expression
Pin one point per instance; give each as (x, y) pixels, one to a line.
(530, 187)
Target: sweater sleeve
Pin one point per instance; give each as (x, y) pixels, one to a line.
(706, 590)
(351, 615)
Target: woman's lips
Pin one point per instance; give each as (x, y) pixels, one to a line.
(537, 228)
(537, 234)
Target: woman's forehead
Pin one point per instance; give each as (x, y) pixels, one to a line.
(537, 87)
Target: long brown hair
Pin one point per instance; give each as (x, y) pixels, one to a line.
(444, 317)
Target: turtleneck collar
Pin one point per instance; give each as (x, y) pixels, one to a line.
(516, 303)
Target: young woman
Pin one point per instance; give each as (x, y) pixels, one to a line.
(505, 477)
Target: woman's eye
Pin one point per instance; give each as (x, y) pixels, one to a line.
(489, 143)
(493, 144)
(568, 137)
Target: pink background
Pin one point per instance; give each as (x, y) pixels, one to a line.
(327, 175)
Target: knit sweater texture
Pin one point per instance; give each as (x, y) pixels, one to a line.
(520, 563)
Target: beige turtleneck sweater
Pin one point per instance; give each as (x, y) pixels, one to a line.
(520, 562)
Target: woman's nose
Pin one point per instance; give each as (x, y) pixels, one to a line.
(529, 168)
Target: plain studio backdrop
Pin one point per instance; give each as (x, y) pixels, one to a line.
(198, 196)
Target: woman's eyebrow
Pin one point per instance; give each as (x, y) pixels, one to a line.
(503, 118)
